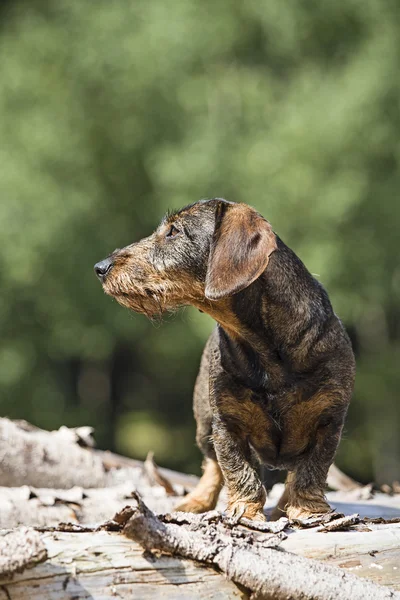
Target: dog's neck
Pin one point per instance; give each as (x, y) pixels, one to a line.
(272, 314)
(244, 353)
(223, 313)
(246, 315)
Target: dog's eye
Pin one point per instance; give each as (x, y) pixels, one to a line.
(172, 232)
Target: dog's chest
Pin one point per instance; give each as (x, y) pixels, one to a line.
(251, 369)
(279, 428)
(266, 403)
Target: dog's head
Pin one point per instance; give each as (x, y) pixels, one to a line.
(199, 255)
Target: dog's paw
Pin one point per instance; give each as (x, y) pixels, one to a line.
(248, 510)
(191, 504)
(277, 513)
(303, 512)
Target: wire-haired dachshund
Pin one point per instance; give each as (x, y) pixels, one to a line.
(276, 374)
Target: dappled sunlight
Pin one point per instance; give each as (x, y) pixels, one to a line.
(114, 112)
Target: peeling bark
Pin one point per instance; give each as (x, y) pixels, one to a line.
(19, 550)
(65, 458)
(269, 558)
(47, 507)
(267, 572)
(46, 459)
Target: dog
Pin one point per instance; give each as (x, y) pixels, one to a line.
(277, 373)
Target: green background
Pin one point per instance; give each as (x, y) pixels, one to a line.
(113, 111)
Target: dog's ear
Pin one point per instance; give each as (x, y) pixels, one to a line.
(242, 243)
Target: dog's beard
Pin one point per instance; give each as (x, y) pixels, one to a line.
(153, 303)
(149, 305)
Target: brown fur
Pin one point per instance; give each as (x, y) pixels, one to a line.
(205, 495)
(228, 274)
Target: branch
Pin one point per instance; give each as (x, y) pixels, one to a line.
(154, 475)
(339, 481)
(242, 556)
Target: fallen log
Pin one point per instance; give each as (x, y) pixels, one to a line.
(31, 506)
(268, 573)
(66, 458)
(46, 459)
(105, 566)
(99, 563)
(355, 544)
(45, 508)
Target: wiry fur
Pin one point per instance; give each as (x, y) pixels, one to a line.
(277, 373)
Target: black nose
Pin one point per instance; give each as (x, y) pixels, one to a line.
(103, 267)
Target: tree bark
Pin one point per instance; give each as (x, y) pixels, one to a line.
(41, 507)
(268, 573)
(108, 566)
(65, 458)
(46, 459)
(19, 550)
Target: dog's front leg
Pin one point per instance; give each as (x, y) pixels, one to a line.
(232, 417)
(305, 485)
(246, 494)
(303, 496)
(306, 498)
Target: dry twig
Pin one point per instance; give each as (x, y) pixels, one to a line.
(155, 477)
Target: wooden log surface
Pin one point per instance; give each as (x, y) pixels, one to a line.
(48, 507)
(106, 565)
(64, 459)
(31, 506)
(117, 567)
(19, 550)
(374, 554)
(250, 559)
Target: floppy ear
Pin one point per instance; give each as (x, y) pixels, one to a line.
(242, 243)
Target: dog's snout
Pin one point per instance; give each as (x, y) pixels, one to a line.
(103, 267)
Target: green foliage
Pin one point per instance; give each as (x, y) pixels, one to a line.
(111, 112)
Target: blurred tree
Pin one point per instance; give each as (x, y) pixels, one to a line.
(113, 111)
